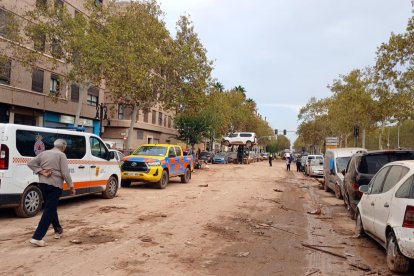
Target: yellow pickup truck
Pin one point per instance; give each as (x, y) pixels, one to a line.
(156, 163)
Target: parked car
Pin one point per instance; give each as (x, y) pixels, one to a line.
(232, 157)
(335, 161)
(362, 167)
(117, 155)
(315, 167)
(240, 138)
(308, 160)
(206, 156)
(386, 213)
(303, 162)
(265, 155)
(221, 158)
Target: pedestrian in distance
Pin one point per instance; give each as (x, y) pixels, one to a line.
(288, 161)
(52, 168)
(298, 164)
(270, 159)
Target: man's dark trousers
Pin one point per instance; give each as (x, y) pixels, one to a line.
(51, 196)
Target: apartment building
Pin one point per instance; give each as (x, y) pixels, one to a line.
(155, 126)
(25, 92)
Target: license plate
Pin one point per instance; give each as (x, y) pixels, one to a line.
(131, 174)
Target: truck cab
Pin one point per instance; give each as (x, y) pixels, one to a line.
(156, 163)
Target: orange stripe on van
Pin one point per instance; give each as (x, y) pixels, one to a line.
(86, 184)
(25, 160)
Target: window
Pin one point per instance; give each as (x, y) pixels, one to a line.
(165, 121)
(5, 71)
(8, 26)
(54, 84)
(56, 48)
(171, 151)
(169, 121)
(31, 143)
(245, 135)
(146, 117)
(160, 118)
(395, 174)
(376, 184)
(37, 80)
(98, 148)
(406, 190)
(140, 134)
(39, 42)
(58, 5)
(93, 96)
(121, 111)
(76, 146)
(74, 93)
(178, 151)
(41, 4)
(154, 117)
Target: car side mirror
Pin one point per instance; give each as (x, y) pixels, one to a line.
(111, 155)
(364, 189)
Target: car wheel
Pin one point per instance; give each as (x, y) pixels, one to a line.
(185, 178)
(30, 203)
(125, 183)
(163, 181)
(359, 228)
(337, 191)
(111, 188)
(325, 186)
(396, 261)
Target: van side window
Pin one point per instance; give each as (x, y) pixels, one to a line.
(171, 151)
(31, 143)
(406, 190)
(76, 148)
(245, 135)
(98, 148)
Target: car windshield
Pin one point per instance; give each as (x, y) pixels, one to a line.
(151, 151)
(341, 163)
(370, 164)
(316, 162)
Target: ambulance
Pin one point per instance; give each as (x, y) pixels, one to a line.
(92, 166)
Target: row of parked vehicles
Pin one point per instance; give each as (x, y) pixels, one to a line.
(378, 190)
(227, 157)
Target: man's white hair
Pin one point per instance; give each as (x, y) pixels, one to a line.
(60, 143)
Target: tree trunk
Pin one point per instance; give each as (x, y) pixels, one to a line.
(83, 92)
(363, 138)
(380, 136)
(346, 140)
(131, 127)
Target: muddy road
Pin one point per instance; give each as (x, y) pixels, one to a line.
(229, 220)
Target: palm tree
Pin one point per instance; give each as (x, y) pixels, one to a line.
(219, 86)
(241, 89)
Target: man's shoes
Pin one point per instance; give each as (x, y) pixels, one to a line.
(40, 243)
(58, 233)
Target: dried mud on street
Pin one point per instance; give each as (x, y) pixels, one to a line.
(229, 220)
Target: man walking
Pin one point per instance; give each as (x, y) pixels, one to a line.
(270, 159)
(298, 164)
(52, 168)
(288, 161)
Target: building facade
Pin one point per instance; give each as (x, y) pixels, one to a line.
(25, 93)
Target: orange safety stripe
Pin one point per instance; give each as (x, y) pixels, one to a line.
(25, 160)
(86, 184)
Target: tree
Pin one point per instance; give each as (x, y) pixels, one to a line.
(219, 86)
(192, 128)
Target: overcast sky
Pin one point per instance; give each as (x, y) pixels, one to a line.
(286, 51)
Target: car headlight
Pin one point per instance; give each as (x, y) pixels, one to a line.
(154, 163)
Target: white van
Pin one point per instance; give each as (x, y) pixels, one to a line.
(240, 138)
(335, 162)
(90, 165)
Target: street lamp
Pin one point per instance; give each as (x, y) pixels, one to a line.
(101, 114)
